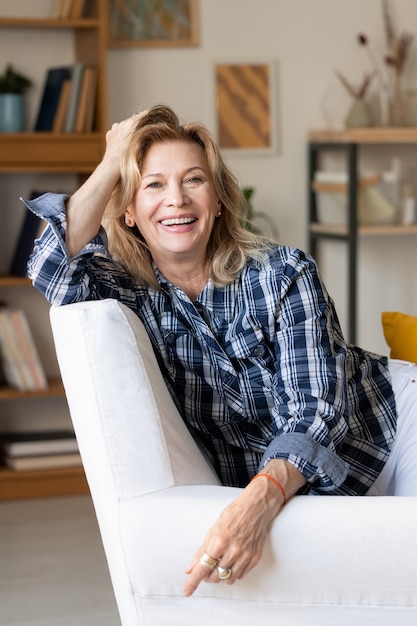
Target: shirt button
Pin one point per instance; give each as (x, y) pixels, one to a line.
(259, 351)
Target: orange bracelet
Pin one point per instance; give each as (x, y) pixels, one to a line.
(280, 487)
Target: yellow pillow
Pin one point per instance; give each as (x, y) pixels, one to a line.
(400, 332)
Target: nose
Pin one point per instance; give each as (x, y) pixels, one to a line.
(176, 195)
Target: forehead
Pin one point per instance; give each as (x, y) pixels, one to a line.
(174, 154)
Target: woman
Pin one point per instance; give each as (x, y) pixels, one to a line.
(245, 333)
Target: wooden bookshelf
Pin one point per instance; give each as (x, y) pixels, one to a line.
(54, 153)
(14, 281)
(371, 135)
(349, 142)
(50, 152)
(15, 485)
(366, 231)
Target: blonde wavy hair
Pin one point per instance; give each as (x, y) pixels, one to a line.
(230, 245)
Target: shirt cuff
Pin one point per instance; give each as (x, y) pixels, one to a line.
(317, 463)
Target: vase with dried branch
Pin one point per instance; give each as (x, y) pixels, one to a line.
(398, 52)
(390, 73)
(359, 113)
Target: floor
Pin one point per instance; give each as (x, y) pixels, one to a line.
(52, 566)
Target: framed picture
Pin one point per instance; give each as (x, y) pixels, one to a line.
(245, 107)
(152, 23)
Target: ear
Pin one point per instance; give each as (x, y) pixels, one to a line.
(219, 207)
(129, 217)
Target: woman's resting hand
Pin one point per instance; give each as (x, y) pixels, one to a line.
(237, 538)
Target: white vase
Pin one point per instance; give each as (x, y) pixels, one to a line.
(359, 114)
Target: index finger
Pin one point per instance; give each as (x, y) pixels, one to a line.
(196, 575)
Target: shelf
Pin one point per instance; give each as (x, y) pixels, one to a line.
(42, 483)
(47, 22)
(50, 152)
(341, 230)
(15, 281)
(55, 389)
(365, 135)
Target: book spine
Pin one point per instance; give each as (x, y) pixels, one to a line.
(64, 9)
(61, 111)
(77, 9)
(38, 443)
(13, 374)
(28, 353)
(24, 247)
(87, 101)
(76, 82)
(43, 462)
(54, 80)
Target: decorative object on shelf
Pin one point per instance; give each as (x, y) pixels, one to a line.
(393, 97)
(153, 23)
(408, 203)
(383, 96)
(252, 218)
(359, 114)
(398, 46)
(12, 88)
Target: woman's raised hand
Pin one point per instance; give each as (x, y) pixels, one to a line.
(116, 139)
(86, 207)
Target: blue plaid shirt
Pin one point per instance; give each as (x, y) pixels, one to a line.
(258, 369)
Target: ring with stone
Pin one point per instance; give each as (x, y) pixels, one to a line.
(208, 561)
(224, 572)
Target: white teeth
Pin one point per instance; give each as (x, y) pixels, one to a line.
(175, 221)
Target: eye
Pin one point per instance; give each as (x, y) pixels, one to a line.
(195, 179)
(153, 185)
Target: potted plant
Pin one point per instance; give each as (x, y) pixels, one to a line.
(250, 217)
(12, 88)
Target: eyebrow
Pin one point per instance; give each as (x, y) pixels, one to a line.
(187, 171)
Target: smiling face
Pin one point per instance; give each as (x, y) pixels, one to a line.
(176, 203)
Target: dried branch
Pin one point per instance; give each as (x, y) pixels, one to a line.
(397, 45)
(356, 92)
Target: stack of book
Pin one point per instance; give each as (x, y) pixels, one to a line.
(68, 99)
(21, 365)
(39, 450)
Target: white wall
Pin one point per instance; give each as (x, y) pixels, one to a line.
(308, 39)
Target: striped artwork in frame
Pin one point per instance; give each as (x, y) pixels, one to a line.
(245, 106)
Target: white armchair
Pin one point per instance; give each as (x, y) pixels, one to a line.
(328, 560)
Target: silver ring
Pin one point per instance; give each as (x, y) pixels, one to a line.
(224, 572)
(208, 561)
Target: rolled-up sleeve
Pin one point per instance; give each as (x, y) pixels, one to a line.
(311, 406)
(60, 278)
